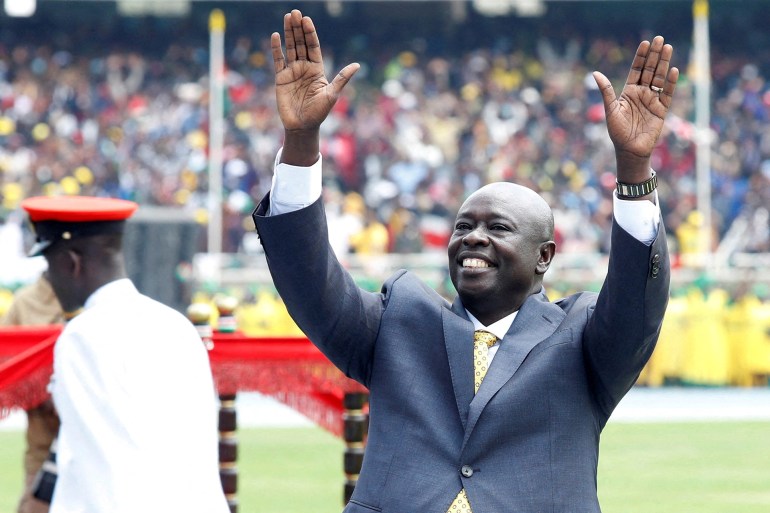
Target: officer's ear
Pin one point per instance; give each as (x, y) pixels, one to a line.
(74, 263)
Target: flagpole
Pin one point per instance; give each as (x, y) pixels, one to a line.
(216, 128)
(702, 125)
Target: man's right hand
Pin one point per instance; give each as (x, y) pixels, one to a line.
(303, 95)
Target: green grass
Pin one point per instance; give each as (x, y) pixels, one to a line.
(720, 467)
(293, 470)
(11, 451)
(297, 470)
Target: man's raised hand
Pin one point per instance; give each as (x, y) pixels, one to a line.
(635, 118)
(303, 94)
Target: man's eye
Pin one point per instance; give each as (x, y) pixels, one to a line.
(462, 226)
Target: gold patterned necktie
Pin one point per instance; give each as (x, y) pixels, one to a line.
(482, 341)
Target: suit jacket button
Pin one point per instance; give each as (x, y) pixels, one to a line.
(466, 471)
(655, 267)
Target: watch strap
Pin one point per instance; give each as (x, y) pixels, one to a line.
(637, 190)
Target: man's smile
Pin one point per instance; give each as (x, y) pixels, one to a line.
(475, 263)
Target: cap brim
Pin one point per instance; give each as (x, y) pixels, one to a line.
(39, 247)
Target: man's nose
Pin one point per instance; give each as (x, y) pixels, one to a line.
(477, 236)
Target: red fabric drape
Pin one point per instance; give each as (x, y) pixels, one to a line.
(26, 362)
(292, 370)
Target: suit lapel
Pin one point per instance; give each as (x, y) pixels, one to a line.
(458, 334)
(537, 320)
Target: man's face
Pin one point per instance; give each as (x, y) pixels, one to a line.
(494, 250)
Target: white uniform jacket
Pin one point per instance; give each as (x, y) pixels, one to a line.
(134, 391)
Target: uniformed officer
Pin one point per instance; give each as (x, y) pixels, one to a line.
(121, 448)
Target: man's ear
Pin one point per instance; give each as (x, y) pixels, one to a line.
(74, 263)
(546, 252)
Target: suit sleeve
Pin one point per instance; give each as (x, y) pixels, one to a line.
(624, 325)
(322, 298)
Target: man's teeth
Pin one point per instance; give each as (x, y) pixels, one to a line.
(474, 262)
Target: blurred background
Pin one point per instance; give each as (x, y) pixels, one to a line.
(113, 98)
(118, 98)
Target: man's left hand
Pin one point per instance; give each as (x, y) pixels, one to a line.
(635, 118)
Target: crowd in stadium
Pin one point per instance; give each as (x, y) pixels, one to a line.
(413, 135)
(416, 131)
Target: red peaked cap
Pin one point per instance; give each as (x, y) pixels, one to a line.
(77, 209)
(66, 217)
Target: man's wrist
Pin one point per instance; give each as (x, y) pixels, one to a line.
(632, 168)
(301, 147)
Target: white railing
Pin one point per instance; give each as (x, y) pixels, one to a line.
(584, 270)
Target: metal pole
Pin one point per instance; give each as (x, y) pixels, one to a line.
(216, 128)
(702, 125)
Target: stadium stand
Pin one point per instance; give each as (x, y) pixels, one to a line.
(115, 105)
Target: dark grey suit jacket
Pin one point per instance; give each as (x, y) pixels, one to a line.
(528, 441)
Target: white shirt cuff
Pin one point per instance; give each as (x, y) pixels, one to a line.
(640, 219)
(294, 187)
